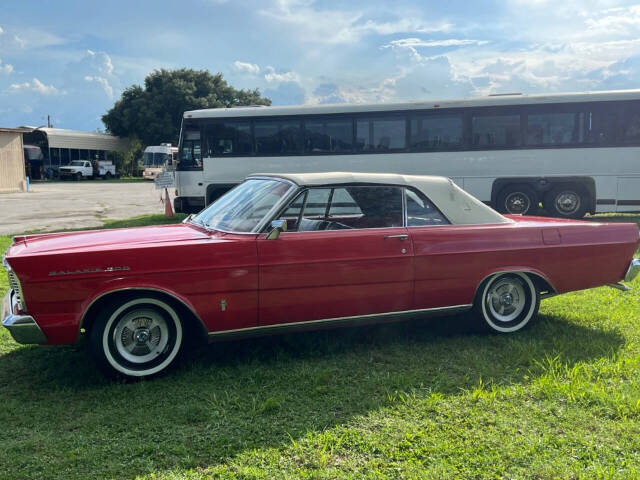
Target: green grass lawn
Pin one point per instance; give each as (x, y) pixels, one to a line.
(416, 400)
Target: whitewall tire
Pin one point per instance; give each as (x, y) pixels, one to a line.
(507, 302)
(136, 337)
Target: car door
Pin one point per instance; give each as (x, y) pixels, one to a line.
(346, 253)
(444, 255)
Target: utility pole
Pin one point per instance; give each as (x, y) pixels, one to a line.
(49, 121)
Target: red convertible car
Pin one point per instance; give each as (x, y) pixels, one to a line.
(304, 251)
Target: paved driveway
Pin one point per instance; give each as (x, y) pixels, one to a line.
(84, 204)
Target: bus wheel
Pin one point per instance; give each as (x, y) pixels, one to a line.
(517, 199)
(567, 201)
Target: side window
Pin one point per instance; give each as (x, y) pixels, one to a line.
(496, 130)
(275, 137)
(436, 132)
(421, 212)
(630, 133)
(228, 138)
(349, 207)
(329, 136)
(381, 134)
(343, 204)
(555, 128)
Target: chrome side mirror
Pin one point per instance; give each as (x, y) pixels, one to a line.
(277, 226)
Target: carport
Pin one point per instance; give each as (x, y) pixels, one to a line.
(60, 146)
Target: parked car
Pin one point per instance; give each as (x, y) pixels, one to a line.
(288, 252)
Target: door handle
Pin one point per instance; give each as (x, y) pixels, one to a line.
(402, 237)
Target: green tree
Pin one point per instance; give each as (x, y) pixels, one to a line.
(153, 113)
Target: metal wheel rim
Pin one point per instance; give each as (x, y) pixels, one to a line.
(141, 335)
(506, 299)
(517, 202)
(568, 202)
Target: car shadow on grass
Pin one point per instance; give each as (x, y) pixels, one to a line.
(258, 393)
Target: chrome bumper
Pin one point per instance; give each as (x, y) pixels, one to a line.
(633, 270)
(23, 328)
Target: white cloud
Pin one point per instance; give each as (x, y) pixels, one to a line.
(417, 42)
(6, 68)
(103, 82)
(29, 38)
(373, 92)
(35, 86)
(246, 67)
(272, 76)
(94, 69)
(327, 26)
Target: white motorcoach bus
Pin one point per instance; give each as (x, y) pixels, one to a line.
(574, 153)
(157, 158)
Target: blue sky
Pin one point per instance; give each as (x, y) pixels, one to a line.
(72, 59)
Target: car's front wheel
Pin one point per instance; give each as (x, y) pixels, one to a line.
(136, 337)
(507, 302)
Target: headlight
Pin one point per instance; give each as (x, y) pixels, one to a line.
(14, 283)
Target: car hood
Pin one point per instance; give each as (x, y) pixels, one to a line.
(95, 240)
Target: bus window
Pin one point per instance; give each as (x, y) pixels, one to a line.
(631, 120)
(602, 124)
(381, 134)
(555, 128)
(496, 130)
(275, 137)
(190, 157)
(329, 136)
(228, 138)
(434, 132)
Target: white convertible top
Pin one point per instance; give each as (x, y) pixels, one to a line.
(456, 204)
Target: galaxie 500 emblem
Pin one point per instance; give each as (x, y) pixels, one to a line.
(56, 273)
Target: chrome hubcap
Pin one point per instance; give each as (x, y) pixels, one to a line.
(506, 299)
(517, 202)
(568, 202)
(141, 335)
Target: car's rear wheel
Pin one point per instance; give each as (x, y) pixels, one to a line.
(136, 337)
(507, 302)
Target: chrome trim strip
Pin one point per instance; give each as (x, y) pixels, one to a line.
(151, 289)
(543, 277)
(633, 270)
(352, 320)
(618, 286)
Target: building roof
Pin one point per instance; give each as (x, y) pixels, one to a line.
(458, 206)
(14, 130)
(64, 138)
(495, 100)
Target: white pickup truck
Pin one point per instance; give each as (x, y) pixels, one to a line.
(79, 169)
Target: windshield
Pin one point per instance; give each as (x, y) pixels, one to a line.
(242, 209)
(155, 159)
(77, 163)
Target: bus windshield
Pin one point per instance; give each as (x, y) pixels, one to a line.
(156, 159)
(242, 209)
